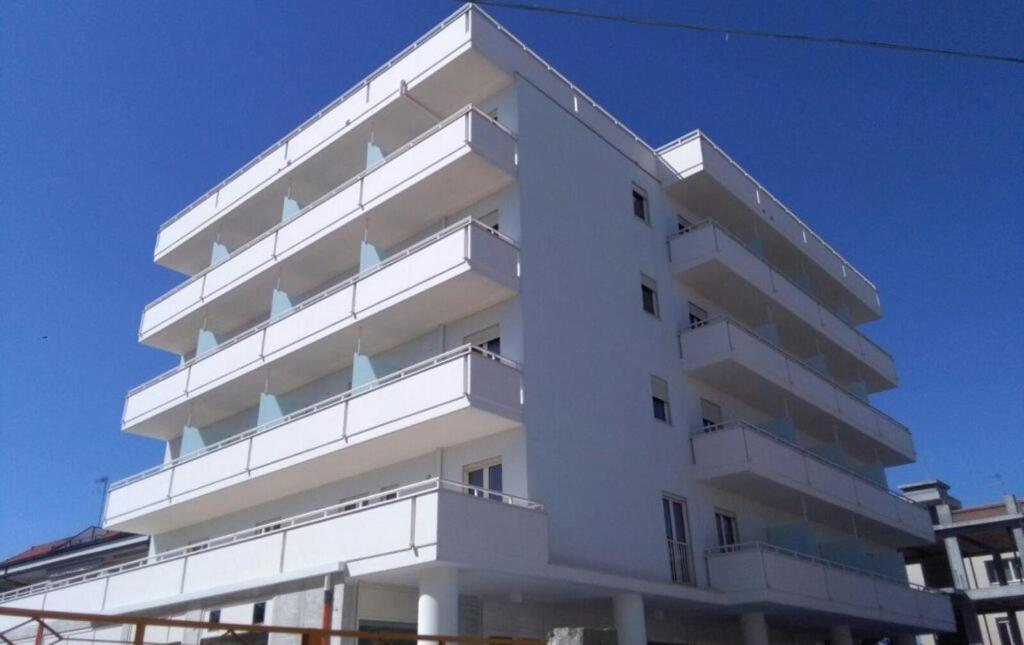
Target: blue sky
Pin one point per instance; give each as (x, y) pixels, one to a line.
(113, 116)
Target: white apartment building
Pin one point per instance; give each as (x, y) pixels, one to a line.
(470, 354)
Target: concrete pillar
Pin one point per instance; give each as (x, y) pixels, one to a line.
(956, 562)
(969, 617)
(840, 635)
(346, 611)
(630, 624)
(755, 628)
(1017, 533)
(438, 608)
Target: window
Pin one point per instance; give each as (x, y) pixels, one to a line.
(649, 295)
(659, 400)
(674, 511)
(1010, 573)
(725, 524)
(682, 224)
(197, 545)
(486, 339)
(214, 616)
(1005, 630)
(491, 219)
(484, 476)
(710, 415)
(640, 203)
(388, 493)
(269, 526)
(698, 315)
(259, 613)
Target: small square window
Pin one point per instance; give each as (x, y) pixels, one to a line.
(659, 400)
(259, 613)
(214, 616)
(640, 203)
(649, 295)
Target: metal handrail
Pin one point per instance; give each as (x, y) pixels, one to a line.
(330, 106)
(725, 425)
(346, 507)
(686, 138)
(776, 271)
(322, 295)
(469, 109)
(832, 564)
(331, 401)
(828, 379)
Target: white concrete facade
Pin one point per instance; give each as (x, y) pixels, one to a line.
(464, 346)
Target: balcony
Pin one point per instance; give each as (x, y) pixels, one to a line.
(761, 574)
(456, 397)
(406, 193)
(711, 260)
(705, 180)
(754, 463)
(422, 522)
(427, 81)
(734, 359)
(461, 270)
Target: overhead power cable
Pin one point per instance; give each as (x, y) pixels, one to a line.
(751, 33)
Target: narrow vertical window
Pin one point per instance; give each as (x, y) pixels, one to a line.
(649, 295)
(659, 400)
(640, 204)
(259, 613)
(710, 415)
(725, 524)
(680, 564)
(698, 315)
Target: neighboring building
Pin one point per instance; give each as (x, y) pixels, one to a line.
(467, 352)
(80, 554)
(976, 556)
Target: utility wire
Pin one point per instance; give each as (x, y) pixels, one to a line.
(752, 33)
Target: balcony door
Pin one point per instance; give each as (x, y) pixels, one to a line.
(680, 562)
(486, 339)
(484, 479)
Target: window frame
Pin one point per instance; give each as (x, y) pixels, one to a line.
(683, 574)
(484, 466)
(645, 204)
(704, 420)
(730, 518)
(649, 284)
(666, 404)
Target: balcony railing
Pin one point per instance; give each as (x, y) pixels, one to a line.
(765, 573)
(467, 253)
(857, 492)
(338, 399)
(277, 527)
(368, 105)
(902, 441)
(356, 182)
(864, 348)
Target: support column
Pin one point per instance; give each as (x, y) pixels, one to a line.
(755, 628)
(1017, 533)
(438, 608)
(346, 609)
(956, 562)
(630, 623)
(969, 617)
(840, 635)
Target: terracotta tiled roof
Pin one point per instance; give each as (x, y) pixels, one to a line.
(89, 537)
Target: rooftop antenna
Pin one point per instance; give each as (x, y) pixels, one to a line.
(104, 481)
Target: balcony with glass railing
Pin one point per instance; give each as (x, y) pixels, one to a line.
(423, 84)
(406, 193)
(449, 399)
(780, 472)
(768, 575)
(410, 525)
(710, 184)
(461, 270)
(708, 258)
(738, 361)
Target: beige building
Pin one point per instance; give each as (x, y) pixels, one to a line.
(977, 556)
